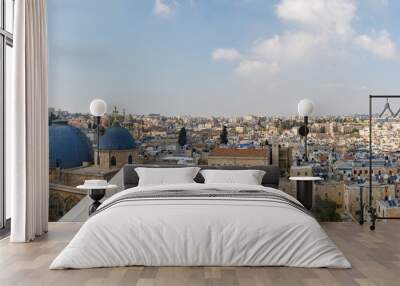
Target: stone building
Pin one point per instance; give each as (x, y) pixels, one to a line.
(268, 155)
(68, 146)
(332, 191)
(351, 196)
(70, 156)
(301, 171)
(70, 164)
(239, 157)
(62, 199)
(282, 157)
(69, 149)
(76, 176)
(117, 148)
(388, 208)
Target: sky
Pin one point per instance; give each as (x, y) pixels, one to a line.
(223, 57)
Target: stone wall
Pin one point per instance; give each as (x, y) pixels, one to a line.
(60, 202)
(351, 198)
(121, 158)
(237, 161)
(332, 191)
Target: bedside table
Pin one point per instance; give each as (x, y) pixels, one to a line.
(305, 189)
(96, 191)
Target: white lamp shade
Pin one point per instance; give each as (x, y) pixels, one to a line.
(98, 107)
(305, 107)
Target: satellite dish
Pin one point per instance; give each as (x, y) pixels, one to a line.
(303, 131)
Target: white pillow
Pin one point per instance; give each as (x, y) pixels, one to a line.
(166, 176)
(248, 177)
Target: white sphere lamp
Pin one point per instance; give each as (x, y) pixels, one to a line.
(98, 107)
(305, 107)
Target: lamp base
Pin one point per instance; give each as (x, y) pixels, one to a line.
(305, 193)
(96, 195)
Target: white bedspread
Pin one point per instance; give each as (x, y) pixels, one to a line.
(200, 231)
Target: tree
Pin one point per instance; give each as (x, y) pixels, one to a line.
(182, 140)
(224, 135)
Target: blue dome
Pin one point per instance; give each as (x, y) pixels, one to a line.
(116, 138)
(68, 146)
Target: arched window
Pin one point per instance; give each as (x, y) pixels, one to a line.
(130, 159)
(113, 161)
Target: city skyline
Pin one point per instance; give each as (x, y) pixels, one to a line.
(227, 58)
(376, 112)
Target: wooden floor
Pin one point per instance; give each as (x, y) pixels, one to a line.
(375, 257)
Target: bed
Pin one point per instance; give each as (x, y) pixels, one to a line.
(197, 224)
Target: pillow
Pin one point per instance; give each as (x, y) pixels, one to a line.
(166, 176)
(248, 177)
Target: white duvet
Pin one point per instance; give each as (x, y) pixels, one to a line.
(202, 232)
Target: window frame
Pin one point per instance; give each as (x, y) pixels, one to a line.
(6, 39)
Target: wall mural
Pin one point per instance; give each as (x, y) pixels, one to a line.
(183, 87)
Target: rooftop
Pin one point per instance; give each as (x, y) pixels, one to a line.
(116, 138)
(68, 146)
(234, 152)
(90, 170)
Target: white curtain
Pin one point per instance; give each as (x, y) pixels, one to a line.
(27, 152)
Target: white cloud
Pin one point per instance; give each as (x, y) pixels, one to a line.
(288, 47)
(326, 16)
(161, 8)
(320, 28)
(254, 68)
(229, 55)
(378, 2)
(269, 55)
(379, 44)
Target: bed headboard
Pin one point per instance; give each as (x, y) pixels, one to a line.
(270, 179)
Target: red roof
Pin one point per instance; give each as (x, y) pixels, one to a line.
(234, 152)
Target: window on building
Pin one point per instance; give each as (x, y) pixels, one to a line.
(6, 43)
(130, 159)
(113, 161)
